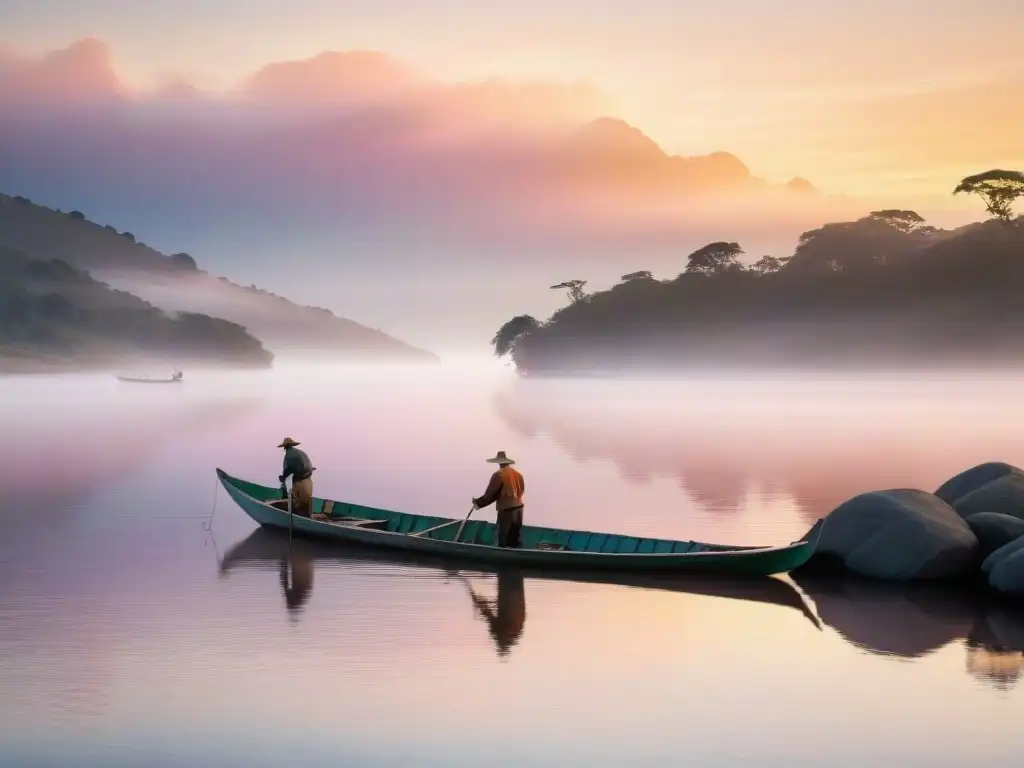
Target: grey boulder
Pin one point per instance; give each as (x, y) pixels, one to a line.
(994, 530)
(899, 535)
(1007, 576)
(992, 487)
(1004, 551)
(972, 479)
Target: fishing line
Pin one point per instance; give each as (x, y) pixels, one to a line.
(216, 488)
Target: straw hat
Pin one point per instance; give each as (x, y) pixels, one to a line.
(287, 443)
(501, 458)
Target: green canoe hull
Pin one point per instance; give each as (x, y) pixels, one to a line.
(551, 548)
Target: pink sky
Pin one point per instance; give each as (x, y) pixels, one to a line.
(859, 98)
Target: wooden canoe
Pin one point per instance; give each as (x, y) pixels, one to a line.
(268, 546)
(551, 548)
(143, 380)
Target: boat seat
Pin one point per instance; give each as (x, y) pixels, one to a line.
(358, 522)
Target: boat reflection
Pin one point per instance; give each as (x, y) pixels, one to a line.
(914, 620)
(505, 615)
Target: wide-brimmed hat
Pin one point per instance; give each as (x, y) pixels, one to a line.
(287, 443)
(501, 458)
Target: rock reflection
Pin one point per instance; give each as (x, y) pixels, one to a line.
(912, 621)
(816, 443)
(505, 614)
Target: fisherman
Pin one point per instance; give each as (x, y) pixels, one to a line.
(298, 465)
(505, 490)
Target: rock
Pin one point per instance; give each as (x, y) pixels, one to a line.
(1004, 495)
(973, 478)
(1004, 551)
(1007, 577)
(899, 535)
(993, 530)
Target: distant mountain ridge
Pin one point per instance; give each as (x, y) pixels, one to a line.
(176, 283)
(54, 317)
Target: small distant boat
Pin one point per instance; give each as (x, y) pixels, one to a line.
(175, 378)
(542, 547)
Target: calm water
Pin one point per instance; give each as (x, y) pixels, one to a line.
(129, 635)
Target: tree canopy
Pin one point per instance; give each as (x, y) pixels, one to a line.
(715, 259)
(504, 340)
(999, 189)
(573, 289)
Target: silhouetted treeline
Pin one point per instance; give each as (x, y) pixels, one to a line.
(51, 312)
(885, 288)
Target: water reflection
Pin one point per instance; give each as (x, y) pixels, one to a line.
(82, 447)
(504, 614)
(812, 442)
(915, 620)
(296, 572)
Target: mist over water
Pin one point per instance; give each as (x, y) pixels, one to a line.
(132, 636)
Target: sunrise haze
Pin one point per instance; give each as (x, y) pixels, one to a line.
(326, 148)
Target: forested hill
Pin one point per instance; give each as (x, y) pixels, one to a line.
(887, 289)
(54, 317)
(177, 282)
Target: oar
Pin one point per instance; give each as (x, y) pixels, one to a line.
(291, 517)
(425, 531)
(458, 533)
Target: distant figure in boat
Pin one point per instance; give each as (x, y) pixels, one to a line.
(300, 468)
(505, 490)
(176, 375)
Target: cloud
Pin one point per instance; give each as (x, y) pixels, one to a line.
(359, 140)
(80, 74)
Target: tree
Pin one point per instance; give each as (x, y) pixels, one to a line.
(644, 274)
(999, 189)
(904, 221)
(505, 339)
(78, 215)
(184, 260)
(574, 290)
(768, 264)
(128, 236)
(859, 245)
(715, 259)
